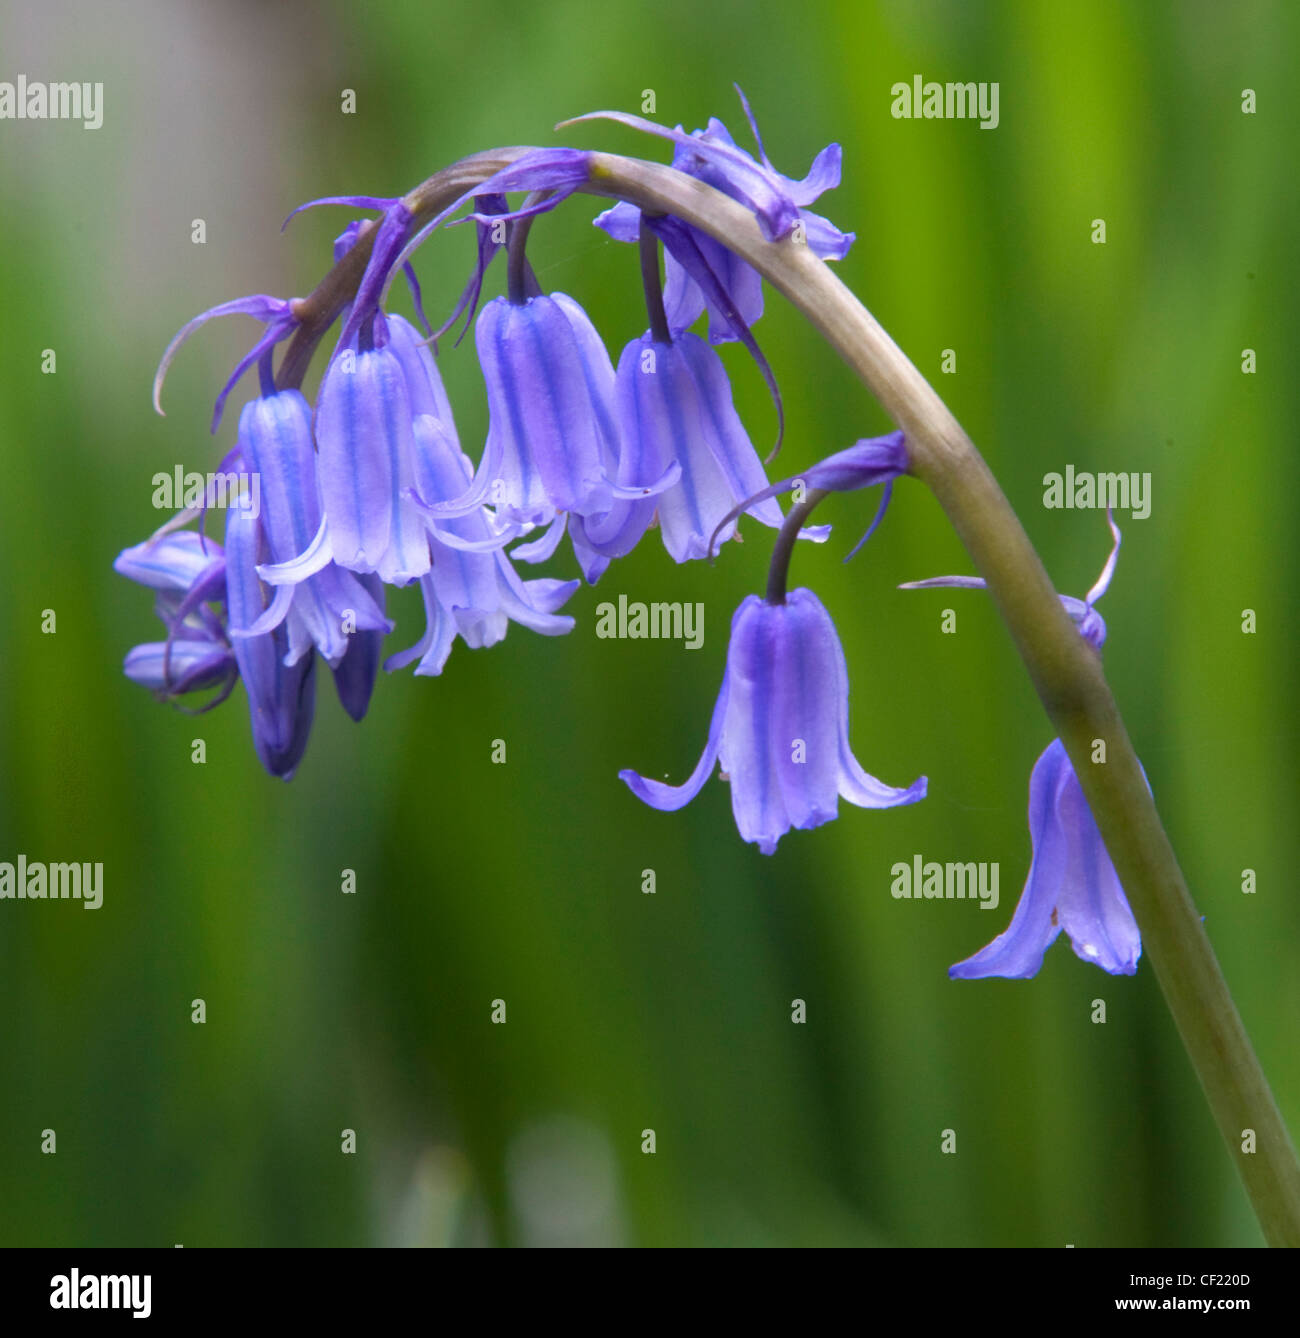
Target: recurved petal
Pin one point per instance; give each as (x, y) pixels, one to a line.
(622, 222)
(1018, 951)
(824, 239)
(532, 604)
(824, 175)
(669, 798)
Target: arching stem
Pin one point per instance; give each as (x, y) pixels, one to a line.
(1066, 674)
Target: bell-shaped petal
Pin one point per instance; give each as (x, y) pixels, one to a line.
(549, 404)
(675, 408)
(1072, 885)
(424, 387)
(363, 430)
(780, 727)
(281, 697)
(324, 603)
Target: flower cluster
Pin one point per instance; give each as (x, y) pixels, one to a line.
(370, 488)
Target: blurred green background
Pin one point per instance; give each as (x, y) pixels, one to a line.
(522, 882)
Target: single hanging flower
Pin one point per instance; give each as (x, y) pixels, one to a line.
(550, 389)
(676, 413)
(1072, 883)
(199, 586)
(363, 431)
(780, 725)
(281, 695)
(675, 407)
(320, 604)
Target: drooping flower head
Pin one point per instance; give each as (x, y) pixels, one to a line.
(1072, 883)
(371, 488)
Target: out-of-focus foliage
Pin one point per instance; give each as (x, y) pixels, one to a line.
(523, 882)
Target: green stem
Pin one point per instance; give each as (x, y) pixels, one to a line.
(1066, 674)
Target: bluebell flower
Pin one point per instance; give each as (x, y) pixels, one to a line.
(779, 204)
(1072, 883)
(199, 587)
(363, 431)
(780, 727)
(552, 449)
(675, 407)
(281, 691)
(320, 604)
(188, 574)
(551, 433)
(472, 591)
